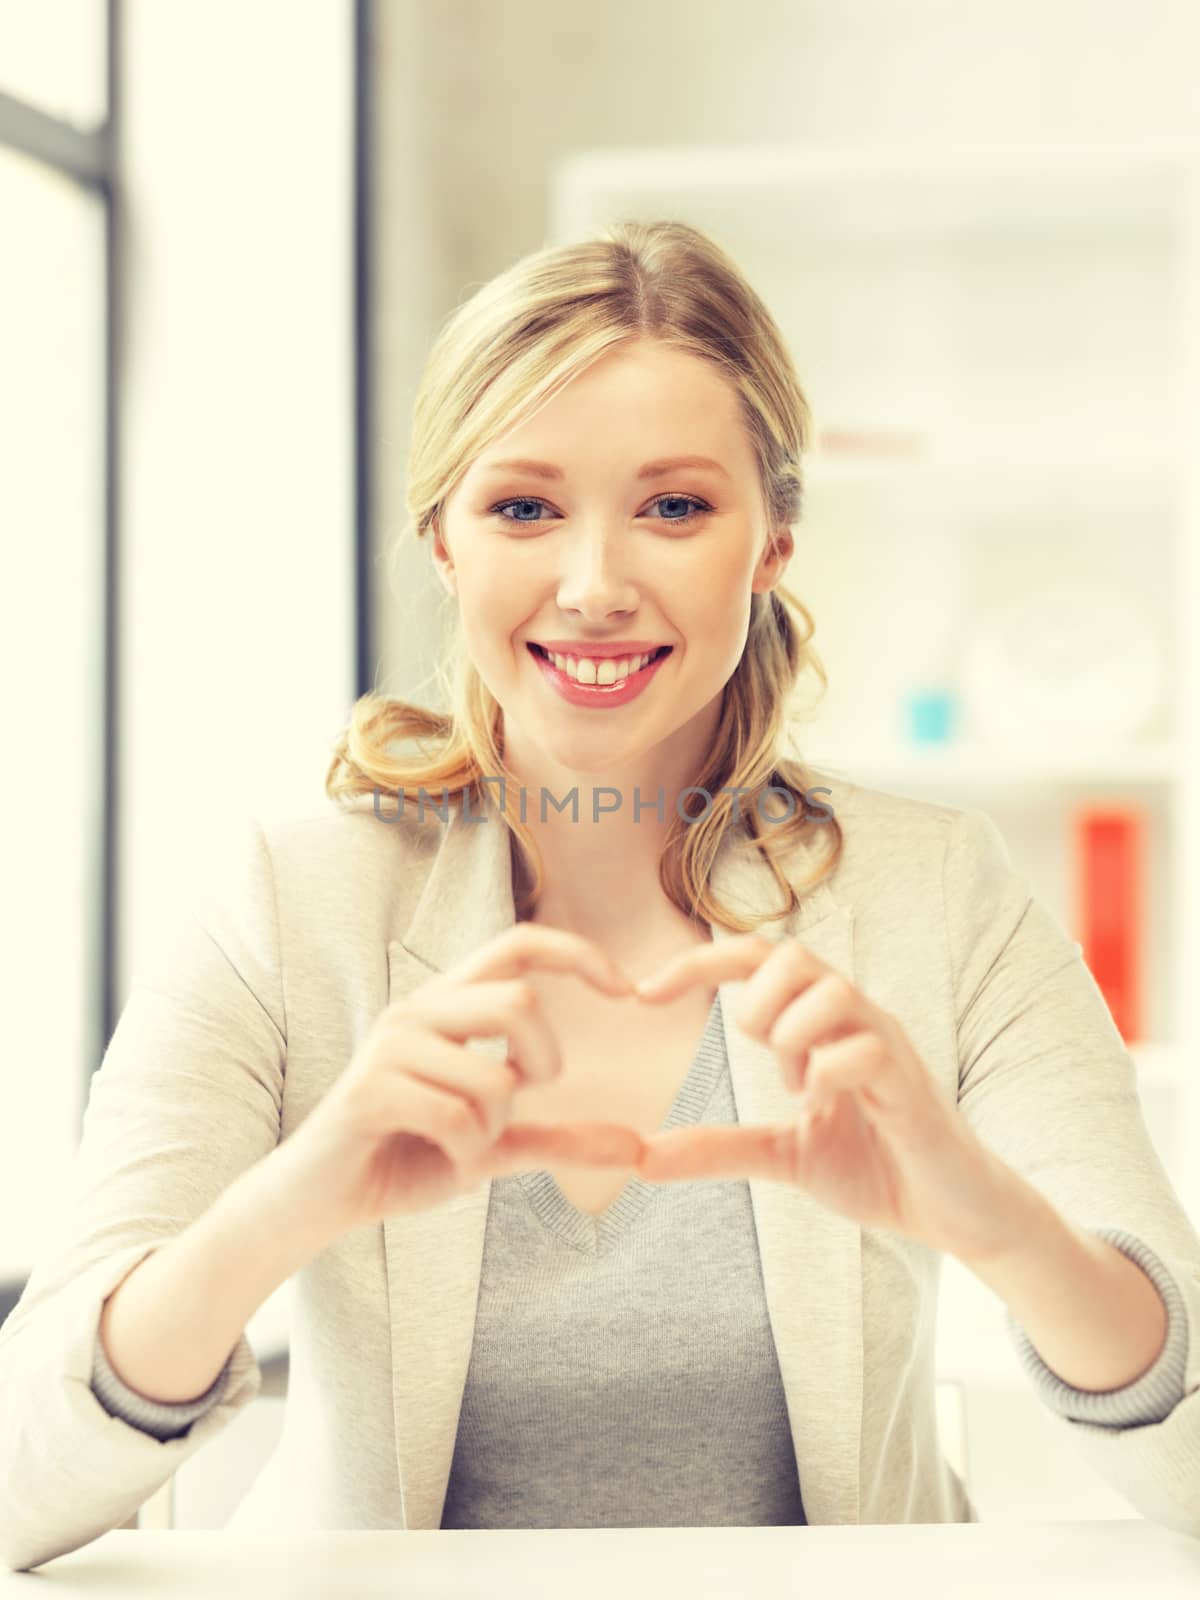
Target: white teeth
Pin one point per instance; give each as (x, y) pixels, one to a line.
(587, 669)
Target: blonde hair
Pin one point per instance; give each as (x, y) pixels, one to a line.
(500, 356)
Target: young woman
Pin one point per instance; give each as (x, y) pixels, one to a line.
(614, 1099)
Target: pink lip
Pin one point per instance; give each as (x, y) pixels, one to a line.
(597, 694)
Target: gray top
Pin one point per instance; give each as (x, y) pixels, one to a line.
(599, 1339)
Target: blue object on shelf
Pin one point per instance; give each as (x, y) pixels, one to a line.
(930, 716)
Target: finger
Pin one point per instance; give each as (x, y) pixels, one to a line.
(728, 959)
(489, 1010)
(826, 1011)
(718, 1152)
(789, 971)
(862, 1063)
(488, 1086)
(451, 1121)
(529, 945)
(448, 1120)
(524, 1145)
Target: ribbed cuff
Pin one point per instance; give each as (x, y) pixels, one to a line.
(162, 1419)
(1150, 1398)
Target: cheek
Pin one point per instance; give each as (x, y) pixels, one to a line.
(490, 621)
(721, 623)
(488, 599)
(720, 574)
(718, 635)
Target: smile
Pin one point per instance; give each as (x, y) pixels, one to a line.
(577, 688)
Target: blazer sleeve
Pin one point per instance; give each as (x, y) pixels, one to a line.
(188, 1096)
(1046, 1081)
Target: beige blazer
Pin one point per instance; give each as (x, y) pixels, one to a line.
(233, 1033)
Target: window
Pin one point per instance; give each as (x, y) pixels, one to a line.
(56, 201)
(54, 56)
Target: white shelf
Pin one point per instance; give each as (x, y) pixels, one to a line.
(821, 469)
(976, 766)
(867, 192)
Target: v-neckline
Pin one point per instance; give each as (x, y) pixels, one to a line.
(593, 1234)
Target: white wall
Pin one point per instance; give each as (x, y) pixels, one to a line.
(237, 511)
(237, 508)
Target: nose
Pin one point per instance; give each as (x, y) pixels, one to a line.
(595, 580)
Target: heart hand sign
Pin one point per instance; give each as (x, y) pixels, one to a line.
(874, 1137)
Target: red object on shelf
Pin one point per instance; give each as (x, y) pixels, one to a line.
(1110, 905)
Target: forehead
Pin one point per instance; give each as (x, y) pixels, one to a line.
(633, 408)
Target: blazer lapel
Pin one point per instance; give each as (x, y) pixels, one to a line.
(434, 1258)
(810, 1256)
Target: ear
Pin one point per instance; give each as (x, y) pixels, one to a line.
(773, 560)
(442, 559)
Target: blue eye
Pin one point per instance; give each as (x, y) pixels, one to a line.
(698, 508)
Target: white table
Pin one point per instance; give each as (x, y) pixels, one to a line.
(1035, 1561)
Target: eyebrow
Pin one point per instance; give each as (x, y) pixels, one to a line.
(652, 469)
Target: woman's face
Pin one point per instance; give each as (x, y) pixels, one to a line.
(597, 547)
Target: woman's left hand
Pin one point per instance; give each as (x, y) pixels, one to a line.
(874, 1136)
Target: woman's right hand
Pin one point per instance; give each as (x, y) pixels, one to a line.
(417, 1118)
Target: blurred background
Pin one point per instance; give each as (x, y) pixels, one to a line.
(229, 235)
